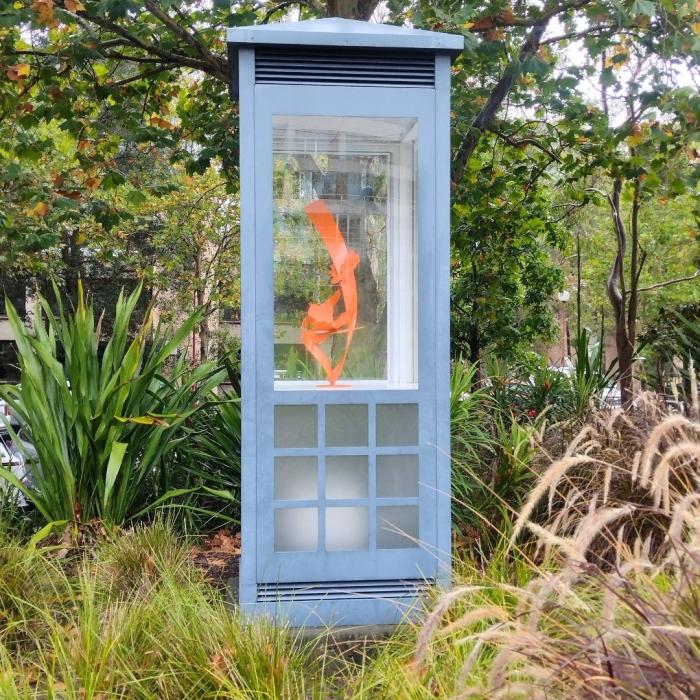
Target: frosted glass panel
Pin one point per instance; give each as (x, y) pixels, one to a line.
(296, 426)
(347, 528)
(296, 478)
(397, 476)
(296, 529)
(397, 527)
(346, 425)
(347, 477)
(397, 424)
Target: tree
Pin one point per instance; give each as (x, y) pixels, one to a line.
(644, 156)
(159, 70)
(194, 253)
(504, 270)
(123, 52)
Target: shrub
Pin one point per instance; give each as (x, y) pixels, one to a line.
(621, 625)
(207, 460)
(491, 454)
(101, 423)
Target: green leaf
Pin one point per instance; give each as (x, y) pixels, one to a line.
(644, 7)
(116, 458)
(112, 180)
(44, 532)
(136, 197)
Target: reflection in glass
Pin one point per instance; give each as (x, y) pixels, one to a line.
(397, 527)
(360, 173)
(397, 424)
(296, 426)
(296, 478)
(346, 425)
(397, 476)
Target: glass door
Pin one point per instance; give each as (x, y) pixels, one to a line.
(346, 472)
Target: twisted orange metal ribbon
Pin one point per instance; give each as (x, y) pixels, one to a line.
(320, 323)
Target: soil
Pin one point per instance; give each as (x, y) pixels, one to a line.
(218, 556)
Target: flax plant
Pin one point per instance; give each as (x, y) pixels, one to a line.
(101, 422)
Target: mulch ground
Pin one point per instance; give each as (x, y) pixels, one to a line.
(218, 556)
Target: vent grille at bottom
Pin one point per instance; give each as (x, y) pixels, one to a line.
(339, 590)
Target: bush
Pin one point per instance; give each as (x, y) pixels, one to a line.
(207, 462)
(101, 423)
(134, 618)
(621, 625)
(491, 454)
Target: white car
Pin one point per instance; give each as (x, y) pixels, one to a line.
(16, 454)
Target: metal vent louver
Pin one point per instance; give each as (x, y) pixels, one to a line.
(339, 590)
(329, 67)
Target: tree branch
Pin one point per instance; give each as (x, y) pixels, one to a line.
(139, 76)
(488, 112)
(527, 141)
(668, 283)
(181, 32)
(216, 70)
(486, 116)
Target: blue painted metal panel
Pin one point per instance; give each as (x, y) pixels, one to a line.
(247, 573)
(442, 318)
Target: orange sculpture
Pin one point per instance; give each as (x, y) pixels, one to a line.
(320, 322)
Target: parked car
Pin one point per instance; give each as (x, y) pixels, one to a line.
(16, 454)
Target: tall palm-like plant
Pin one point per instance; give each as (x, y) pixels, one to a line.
(101, 423)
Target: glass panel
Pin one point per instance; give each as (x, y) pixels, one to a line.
(397, 424)
(397, 527)
(296, 478)
(346, 425)
(347, 477)
(397, 476)
(347, 528)
(296, 529)
(344, 248)
(296, 426)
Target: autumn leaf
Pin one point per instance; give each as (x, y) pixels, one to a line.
(18, 71)
(482, 24)
(635, 138)
(75, 195)
(162, 123)
(40, 209)
(93, 183)
(44, 10)
(74, 6)
(545, 54)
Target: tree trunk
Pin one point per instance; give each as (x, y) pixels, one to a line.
(351, 9)
(617, 296)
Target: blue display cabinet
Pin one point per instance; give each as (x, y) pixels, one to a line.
(345, 189)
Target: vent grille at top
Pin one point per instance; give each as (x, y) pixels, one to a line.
(404, 69)
(338, 590)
